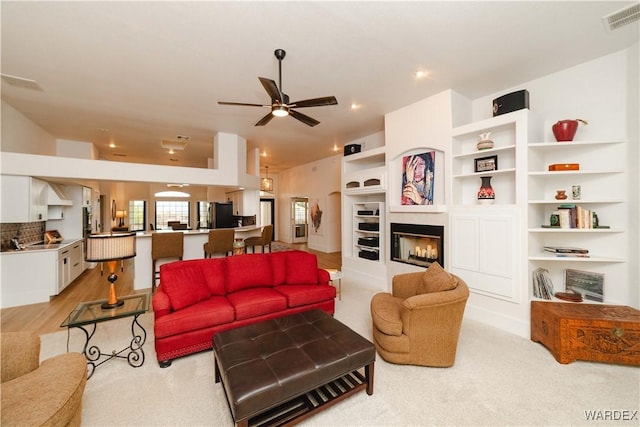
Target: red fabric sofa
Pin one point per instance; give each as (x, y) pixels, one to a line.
(198, 298)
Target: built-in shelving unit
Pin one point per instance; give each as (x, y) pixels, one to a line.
(601, 180)
(486, 240)
(510, 134)
(368, 220)
(364, 187)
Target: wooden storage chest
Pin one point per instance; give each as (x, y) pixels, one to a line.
(593, 332)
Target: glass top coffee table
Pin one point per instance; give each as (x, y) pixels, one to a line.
(86, 316)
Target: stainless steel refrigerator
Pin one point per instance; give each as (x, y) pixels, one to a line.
(221, 215)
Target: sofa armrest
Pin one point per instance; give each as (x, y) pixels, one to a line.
(20, 354)
(406, 285)
(323, 277)
(161, 303)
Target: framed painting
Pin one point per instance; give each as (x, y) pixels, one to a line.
(418, 172)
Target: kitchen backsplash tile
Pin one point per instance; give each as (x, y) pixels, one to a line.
(26, 232)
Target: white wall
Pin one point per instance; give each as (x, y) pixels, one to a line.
(316, 180)
(21, 135)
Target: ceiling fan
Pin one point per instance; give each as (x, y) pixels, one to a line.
(280, 105)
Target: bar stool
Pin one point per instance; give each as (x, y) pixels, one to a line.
(263, 240)
(165, 246)
(220, 241)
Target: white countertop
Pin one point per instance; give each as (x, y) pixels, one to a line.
(243, 229)
(43, 247)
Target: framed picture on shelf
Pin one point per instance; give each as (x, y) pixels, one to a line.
(586, 283)
(485, 164)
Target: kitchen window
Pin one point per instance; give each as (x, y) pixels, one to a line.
(137, 215)
(171, 211)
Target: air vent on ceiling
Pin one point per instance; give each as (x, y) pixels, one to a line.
(20, 82)
(625, 16)
(173, 145)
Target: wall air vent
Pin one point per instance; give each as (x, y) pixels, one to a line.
(20, 82)
(625, 16)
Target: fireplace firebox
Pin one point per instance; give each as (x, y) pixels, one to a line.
(417, 244)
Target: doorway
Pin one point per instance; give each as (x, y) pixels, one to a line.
(299, 213)
(267, 214)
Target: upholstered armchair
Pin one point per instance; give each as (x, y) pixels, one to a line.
(35, 394)
(419, 322)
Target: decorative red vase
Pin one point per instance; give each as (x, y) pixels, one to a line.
(486, 195)
(565, 130)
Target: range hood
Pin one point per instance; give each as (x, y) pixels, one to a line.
(56, 196)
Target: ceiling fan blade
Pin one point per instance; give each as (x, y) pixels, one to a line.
(271, 88)
(243, 104)
(304, 118)
(266, 119)
(315, 102)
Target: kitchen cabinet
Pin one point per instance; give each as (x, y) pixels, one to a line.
(245, 202)
(24, 199)
(32, 276)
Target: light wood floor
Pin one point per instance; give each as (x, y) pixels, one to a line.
(46, 317)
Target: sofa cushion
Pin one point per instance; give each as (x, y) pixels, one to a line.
(214, 275)
(302, 268)
(184, 283)
(248, 271)
(214, 311)
(256, 302)
(385, 313)
(279, 267)
(436, 279)
(298, 295)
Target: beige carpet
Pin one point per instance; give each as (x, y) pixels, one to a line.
(498, 380)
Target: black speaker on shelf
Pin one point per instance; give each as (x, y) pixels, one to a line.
(352, 149)
(511, 102)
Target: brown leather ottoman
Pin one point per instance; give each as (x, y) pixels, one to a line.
(284, 370)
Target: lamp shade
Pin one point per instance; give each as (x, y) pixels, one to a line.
(266, 184)
(121, 214)
(110, 246)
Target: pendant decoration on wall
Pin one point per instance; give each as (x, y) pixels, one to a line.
(486, 195)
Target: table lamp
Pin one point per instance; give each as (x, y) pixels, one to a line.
(111, 247)
(121, 215)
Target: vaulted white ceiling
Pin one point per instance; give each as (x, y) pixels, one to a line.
(135, 73)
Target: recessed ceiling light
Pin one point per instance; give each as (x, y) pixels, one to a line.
(171, 151)
(112, 145)
(421, 74)
(355, 106)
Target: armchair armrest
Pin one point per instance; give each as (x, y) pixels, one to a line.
(20, 354)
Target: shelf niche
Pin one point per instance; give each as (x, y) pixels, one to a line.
(396, 172)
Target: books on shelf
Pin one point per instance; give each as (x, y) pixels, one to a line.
(574, 216)
(567, 251)
(542, 284)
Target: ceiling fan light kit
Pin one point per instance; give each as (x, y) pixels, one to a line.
(280, 105)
